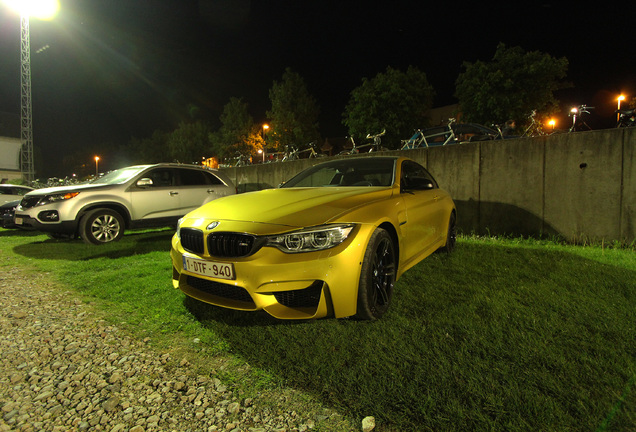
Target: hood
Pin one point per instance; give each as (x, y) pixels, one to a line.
(68, 188)
(291, 207)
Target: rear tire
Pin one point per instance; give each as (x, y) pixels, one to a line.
(451, 236)
(101, 226)
(377, 276)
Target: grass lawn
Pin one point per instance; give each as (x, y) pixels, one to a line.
(504, 334)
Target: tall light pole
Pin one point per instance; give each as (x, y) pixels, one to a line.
(42, 9)
(26, 121)
(96, 165)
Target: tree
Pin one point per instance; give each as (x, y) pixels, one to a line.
(294, 113)
(238, 133)
(190, 142)
(394, 100)
(153, 149)
(511, 86)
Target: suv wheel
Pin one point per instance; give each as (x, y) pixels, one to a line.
(101, 226)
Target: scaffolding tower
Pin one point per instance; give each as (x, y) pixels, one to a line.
(26, 123)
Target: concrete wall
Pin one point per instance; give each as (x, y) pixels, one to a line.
(581, 186)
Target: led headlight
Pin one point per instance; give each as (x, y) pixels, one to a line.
(57, 197)
(178, 231)
(311, 239)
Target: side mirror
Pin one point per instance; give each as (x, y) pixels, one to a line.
(143, 182)
(417, 183)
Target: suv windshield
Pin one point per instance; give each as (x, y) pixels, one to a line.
(119, 176)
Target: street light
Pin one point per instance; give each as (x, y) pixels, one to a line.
(552, 122)
(620, 98)
(96, 165)
(44, 10)
(264, 131)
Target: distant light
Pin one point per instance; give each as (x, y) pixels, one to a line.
(621, 98)
(40, 9)
(574, 110)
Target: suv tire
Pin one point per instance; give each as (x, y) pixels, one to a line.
(101, 226)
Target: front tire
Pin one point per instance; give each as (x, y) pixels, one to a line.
(377, 276)
(101, 226)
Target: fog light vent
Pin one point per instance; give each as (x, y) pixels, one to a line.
(49, 216)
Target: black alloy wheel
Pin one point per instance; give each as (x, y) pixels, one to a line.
(451, 235)
(377, 276)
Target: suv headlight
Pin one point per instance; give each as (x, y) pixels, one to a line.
(49, 199)
(311, 239)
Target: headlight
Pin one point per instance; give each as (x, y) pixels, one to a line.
(57, 197)
(311, 239)
(178, 233)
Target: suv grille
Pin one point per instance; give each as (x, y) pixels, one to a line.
(230, 244)
(192, 240)
(28, 202)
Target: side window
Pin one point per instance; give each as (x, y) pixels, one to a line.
(212, 179)
(190, 177)
(413, 172)
(161, 177)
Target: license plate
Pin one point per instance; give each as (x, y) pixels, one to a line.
(18, 221)
(208, 268)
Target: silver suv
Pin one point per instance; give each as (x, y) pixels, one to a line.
(133, 197)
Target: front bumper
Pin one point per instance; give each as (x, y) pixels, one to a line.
(25, 221)
(287, 286)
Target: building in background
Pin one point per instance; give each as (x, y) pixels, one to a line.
(9, 147)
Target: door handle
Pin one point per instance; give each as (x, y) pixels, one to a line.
(173, 193)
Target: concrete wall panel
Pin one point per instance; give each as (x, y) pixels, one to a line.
(628, 204)
(456, 169)
(511, 186)
(583, 184)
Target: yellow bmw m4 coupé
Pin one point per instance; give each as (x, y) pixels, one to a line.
(332, 241)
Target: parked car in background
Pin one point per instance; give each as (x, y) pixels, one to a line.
(332, 241)
(133, 197)
(10, 192)
(7, 210)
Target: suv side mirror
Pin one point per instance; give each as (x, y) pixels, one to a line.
(143, 182)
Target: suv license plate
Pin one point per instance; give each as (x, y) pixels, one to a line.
(209, 268)
(18, 221)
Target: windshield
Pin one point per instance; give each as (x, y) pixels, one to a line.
(347, 172)
(120, 175)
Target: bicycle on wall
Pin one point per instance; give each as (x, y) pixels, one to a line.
(535, 128)
(375, 145)
(578, 124)
(626, 118)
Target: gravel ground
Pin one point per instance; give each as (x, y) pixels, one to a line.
(64, 368)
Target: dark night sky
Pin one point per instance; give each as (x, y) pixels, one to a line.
(115, 69)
